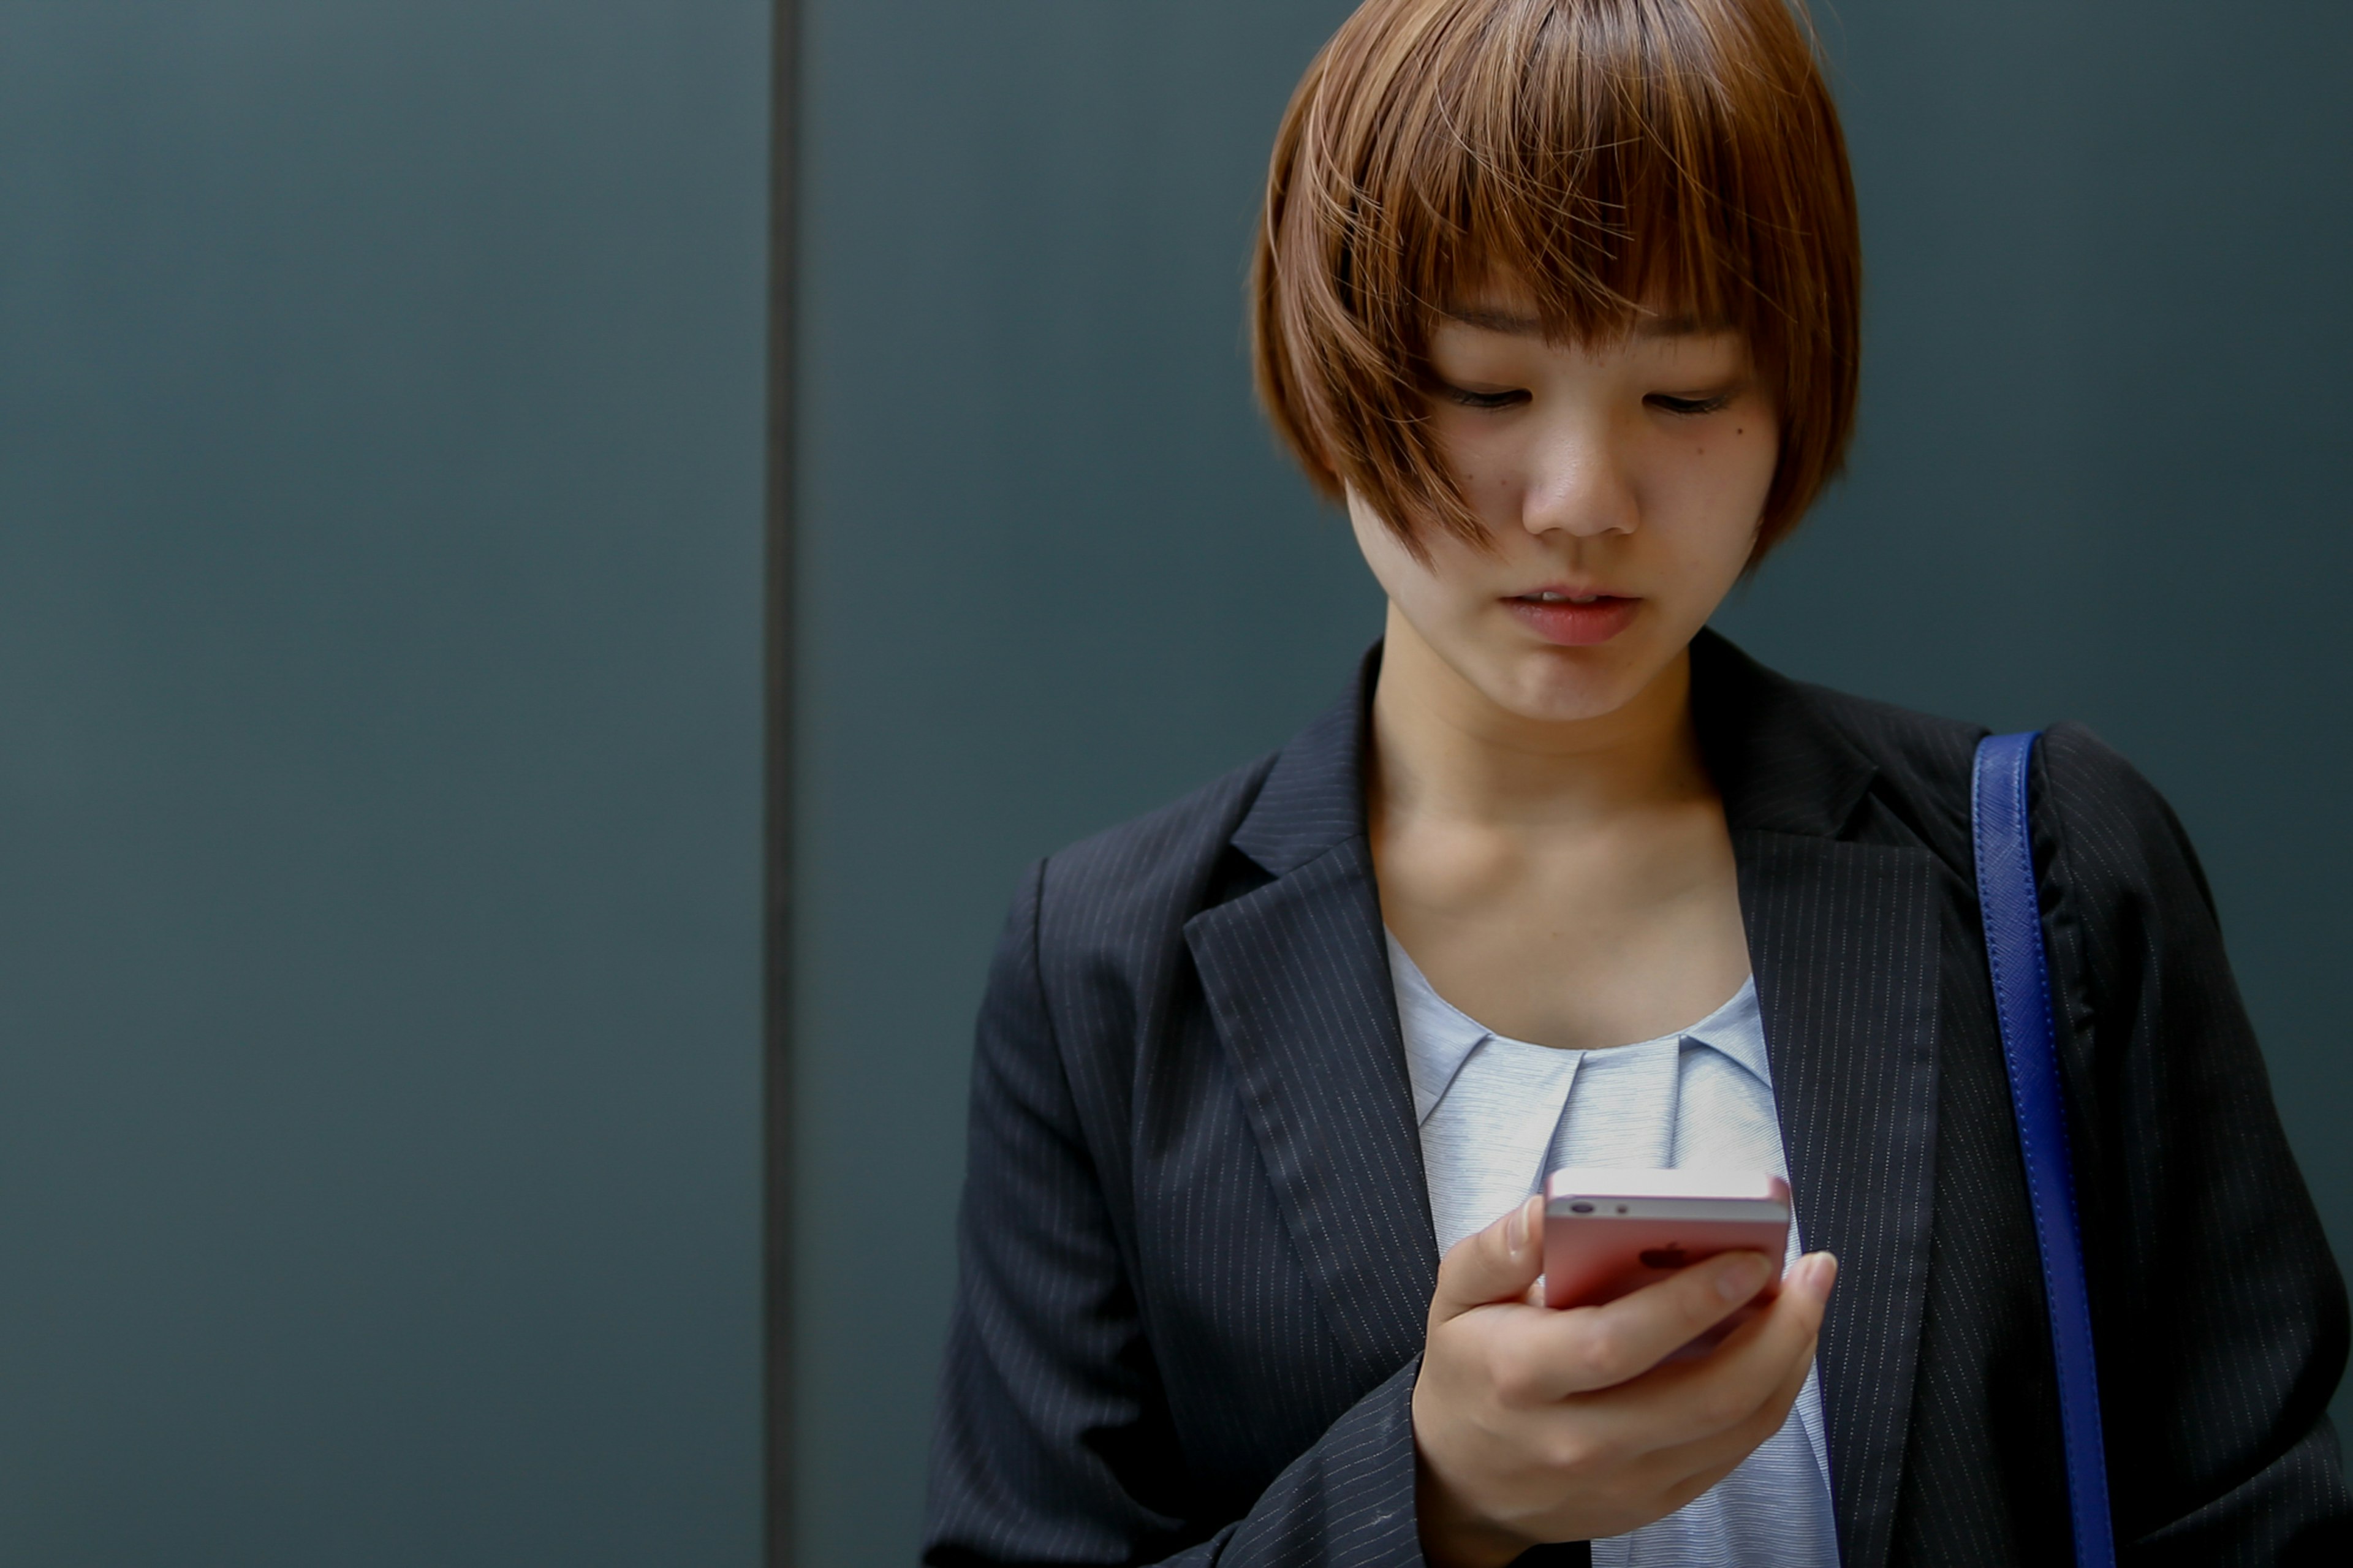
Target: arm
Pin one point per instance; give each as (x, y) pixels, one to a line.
(1054, 1443)
(2221, 1315)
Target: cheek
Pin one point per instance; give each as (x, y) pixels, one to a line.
(1485, 460)
(1398, 573)
(1422, 591)
(1715, 486)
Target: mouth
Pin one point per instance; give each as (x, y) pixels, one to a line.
(1571, 616)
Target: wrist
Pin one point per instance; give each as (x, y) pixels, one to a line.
(1453, 1536)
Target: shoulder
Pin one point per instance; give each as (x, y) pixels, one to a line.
(1921, 760)
(1144, 878)
(2111, 833)
(2102, 828)
(2100, 824)
(1147, 875)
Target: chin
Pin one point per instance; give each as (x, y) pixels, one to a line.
(1562, 685)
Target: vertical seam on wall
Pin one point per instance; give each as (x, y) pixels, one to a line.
(779, 820)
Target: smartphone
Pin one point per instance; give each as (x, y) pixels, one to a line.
(1607, 1232)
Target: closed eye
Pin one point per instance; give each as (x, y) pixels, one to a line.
(1470, 399)
(1670, 405)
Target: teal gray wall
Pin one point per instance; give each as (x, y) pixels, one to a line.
(380, 491)
(380, 426)
(1056, 574)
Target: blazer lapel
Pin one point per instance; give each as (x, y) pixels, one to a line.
(1298, 984)
(1843, 940)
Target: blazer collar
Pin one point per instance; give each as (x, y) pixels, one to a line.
(1313, 796)
(1783, 768)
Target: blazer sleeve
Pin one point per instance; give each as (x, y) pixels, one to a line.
(2221, 1315)
(1054, 1443)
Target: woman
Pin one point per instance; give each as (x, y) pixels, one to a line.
(1559, 299)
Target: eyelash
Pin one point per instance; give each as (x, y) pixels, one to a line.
(1493, 401)
(1690, 405)
(1486, 400)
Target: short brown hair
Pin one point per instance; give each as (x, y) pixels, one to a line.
(1615, 155)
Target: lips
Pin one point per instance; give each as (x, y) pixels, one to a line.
(1573, 617)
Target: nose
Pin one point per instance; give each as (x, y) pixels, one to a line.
(1578, 483)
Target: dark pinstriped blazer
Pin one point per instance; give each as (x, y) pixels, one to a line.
(1196, 1245)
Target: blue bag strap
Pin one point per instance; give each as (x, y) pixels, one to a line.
(2030, 1044)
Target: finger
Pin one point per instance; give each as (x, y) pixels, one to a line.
(1790, 1320)
(1808, 1286)
(1763, 1360)
(1788, 1325)
(1676, 1475)
(1497, 1264)
(1552, 1355)
(1682, 1472)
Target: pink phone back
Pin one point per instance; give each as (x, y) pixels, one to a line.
(1607, 1232)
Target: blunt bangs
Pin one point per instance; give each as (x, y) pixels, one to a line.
(1620, 159)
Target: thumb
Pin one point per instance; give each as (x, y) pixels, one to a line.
(1497, 1264)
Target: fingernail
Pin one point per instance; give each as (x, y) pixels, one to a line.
(1821, 1272)
(1742, 1276)
(1515, 1230)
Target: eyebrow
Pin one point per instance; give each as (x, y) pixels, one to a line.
(1517, 326)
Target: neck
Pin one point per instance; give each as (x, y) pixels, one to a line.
(1443, 749)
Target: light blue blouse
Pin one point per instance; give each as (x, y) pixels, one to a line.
(1498, 1114)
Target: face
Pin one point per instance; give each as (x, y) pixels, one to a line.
(1620, 485)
